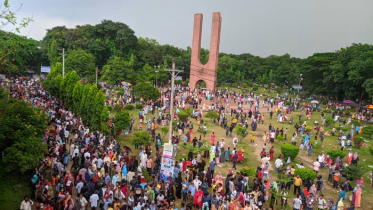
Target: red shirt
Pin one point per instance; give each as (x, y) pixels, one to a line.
(260, 174)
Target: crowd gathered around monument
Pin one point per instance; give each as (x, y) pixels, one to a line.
(86, 169)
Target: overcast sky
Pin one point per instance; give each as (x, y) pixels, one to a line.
(259, 27)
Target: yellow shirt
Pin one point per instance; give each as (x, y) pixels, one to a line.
(297, 181)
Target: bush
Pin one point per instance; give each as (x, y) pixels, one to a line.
(109, 108)
(129, 106)
(305, 173)
(255, 88)
(117, 108)
(183, 116)
(370, 150)
(248, 171)
(324, 102)
(358, 141)
(139, 106)
(146, 175)
(333, 154)
(244, 85)
(120, 93)
(280, 138)
(266, 86)
(288, 103)
(289, 150)
(115, 88)
(235, 84)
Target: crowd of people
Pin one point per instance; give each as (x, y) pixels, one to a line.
(88, 169)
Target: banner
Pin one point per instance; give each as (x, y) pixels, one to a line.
(167, 150)
(167, 169)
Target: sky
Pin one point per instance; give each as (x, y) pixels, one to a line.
(258, 27)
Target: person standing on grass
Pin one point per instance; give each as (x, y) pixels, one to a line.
(26, 203)
(297, 184)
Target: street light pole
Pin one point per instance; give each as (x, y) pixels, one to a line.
(173, 70)
(156, 76)
(300, 79)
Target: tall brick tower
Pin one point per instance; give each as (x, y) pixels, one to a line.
(207, 72)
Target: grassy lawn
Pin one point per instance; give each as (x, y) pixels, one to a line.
(366, 159)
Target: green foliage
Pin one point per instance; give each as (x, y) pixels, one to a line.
(129, 106)
(21, 131)
(241, 132)
(77, 97)
(120, 93)
(189, 147)
(248, 171)
(189, 111)
(357, 141)
(368, 130)
(145, 91)
(146, 175)
(139, 106)
(81, 62)
(118, 108)
(141, 138)
(109, 108)
(333, 154)
(164, 130)
(280, 138)
(289, 150)
(305, 173)
(182, 116)
(329, 121)
(355, 172)
(308, 128)
(117, 70)
(255, 88)
(104, 119)
(370, 150)
(122, 121)
(212, 115)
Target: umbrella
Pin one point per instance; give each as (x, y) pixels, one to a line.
(124, 83)
(102, 83)
(314, 102)
(369, 106)
(348, 102)
(127, 149)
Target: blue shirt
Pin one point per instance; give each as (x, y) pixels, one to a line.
(192, 189)
(212, 165)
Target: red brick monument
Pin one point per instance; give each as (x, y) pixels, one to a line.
(207, 72)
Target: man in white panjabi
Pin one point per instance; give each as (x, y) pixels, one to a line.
(144, 158)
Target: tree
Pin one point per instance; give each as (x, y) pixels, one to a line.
(77, 97)
(104, 118)
(164, 130)
(67, 89)
(355, 172)
(9, 19)
(212, 115)
(81, 62)
(289, 150)
(118, 70)
(368, 130)
(141, 138)
(21, 131)
(122, 121)
(241, 132)
(53, 54)
(98, 117)
(145, 91)
(182, 116)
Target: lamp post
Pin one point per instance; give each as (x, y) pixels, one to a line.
(156, 75)
(300, 79)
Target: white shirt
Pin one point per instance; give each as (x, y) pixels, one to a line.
(83, 202)
(79, 186)
(197, 183)
(93, 199)
(278, 163)
(26, 205)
